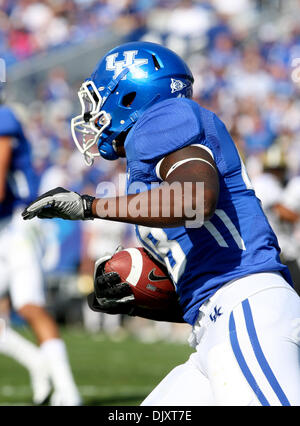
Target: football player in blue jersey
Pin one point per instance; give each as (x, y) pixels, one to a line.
(232, 287)
(21, 274)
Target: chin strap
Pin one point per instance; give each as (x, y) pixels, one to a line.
(107, 151)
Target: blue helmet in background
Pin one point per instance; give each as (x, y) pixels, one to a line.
(128, 80)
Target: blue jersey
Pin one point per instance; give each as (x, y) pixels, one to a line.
(21, 181)
(237, 240)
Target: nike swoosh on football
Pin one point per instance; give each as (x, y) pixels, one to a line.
(153, 277)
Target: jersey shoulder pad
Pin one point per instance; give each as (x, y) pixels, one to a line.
(165, 127)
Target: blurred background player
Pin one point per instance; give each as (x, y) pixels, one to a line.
(280, 204)
(21, 273)
(291, 202)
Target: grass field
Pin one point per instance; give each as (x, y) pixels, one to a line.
(107, 373)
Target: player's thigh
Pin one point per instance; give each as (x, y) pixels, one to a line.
(184, 385)
(26, 278)
(258, 362)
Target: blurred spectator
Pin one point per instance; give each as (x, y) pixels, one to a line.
(32, 26)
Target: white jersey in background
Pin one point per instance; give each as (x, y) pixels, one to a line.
(270, 191)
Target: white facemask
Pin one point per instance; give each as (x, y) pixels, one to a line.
(85, 132)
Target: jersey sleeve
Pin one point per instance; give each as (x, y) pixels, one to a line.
(9, 125)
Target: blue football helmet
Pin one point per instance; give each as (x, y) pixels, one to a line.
(128, 80)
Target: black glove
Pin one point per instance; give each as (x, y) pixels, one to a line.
(110, 295)
(61, 203)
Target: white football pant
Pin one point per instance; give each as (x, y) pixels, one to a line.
(21, 275)
(247, 341)
(20, 262)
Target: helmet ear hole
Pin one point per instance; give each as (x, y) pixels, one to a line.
(128, 99)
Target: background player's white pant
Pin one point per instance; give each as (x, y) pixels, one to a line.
(20, 262)
(21, 276)
(247, 341)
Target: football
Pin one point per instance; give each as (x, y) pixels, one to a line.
(151, 285)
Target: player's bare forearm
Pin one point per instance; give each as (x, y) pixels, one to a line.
(188, 196)
(189, 193)
(121, 209)
(286, 214)
(159, 207)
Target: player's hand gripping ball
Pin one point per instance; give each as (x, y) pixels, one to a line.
(148, 279)
(132, 278)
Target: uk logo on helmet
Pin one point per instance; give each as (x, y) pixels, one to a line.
(177, 85)
(129, 61)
